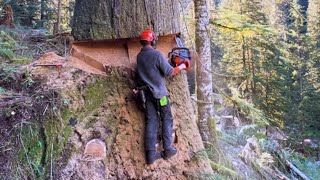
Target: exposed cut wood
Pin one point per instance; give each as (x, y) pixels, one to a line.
(95, 150)
(121, 52)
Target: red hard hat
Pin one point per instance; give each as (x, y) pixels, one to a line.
(148, 35)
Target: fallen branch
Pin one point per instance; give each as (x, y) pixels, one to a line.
(296, 170)
(8, 100)
(12, 102)
(9, 94)
(53, 45)
(291, 166)
(40, 48)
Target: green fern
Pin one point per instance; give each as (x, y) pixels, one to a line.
(22, 60)
(7, 44)
(6, 53)
(2, 90)
(7, 41)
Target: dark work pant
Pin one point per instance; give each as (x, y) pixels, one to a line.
(153, 121)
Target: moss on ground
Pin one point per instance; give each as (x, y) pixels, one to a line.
(32, 150)
(57, 134)
(43, 143)
(22, 60)
(58, 131)
(47, 140)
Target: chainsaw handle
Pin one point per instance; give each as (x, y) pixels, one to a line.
(180, 48)
(177, 54)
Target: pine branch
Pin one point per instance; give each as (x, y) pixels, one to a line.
(296, 10)
(223, 26)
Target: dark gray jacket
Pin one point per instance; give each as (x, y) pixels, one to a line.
(152, 68)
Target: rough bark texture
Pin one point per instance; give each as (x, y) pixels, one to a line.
(204, 76)
(7, 20)
(114, 19)
(58, 23)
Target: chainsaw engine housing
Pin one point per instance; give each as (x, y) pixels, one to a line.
(178, 55)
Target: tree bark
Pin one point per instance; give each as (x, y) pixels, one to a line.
(57, 24)
(7, 20)
(114, 19)
(42, 12)
(204, 76)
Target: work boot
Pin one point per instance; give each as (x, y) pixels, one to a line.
(168, 153)
(152, 156)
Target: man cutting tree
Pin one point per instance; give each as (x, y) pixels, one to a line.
(152, 68)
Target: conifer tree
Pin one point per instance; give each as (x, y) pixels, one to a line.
(254, 51)
(204, 76)
(309, 104)
(314, 21)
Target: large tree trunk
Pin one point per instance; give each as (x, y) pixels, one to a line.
(114, 19)
(204, 76)
(42, 12)
(116, 119)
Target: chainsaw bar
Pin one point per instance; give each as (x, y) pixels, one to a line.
(179, 42)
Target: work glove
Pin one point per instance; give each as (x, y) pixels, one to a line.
(182, 66)
(186, 62)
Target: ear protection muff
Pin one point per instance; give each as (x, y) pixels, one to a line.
(150, 36)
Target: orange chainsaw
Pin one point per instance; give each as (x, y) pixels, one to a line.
(179, 54)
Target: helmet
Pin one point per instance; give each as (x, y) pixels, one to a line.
(150, 36)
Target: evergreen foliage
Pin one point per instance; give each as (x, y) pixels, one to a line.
(7, 43)
(271, 56)
(41, 13)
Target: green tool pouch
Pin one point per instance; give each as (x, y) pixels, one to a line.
(163, 101)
